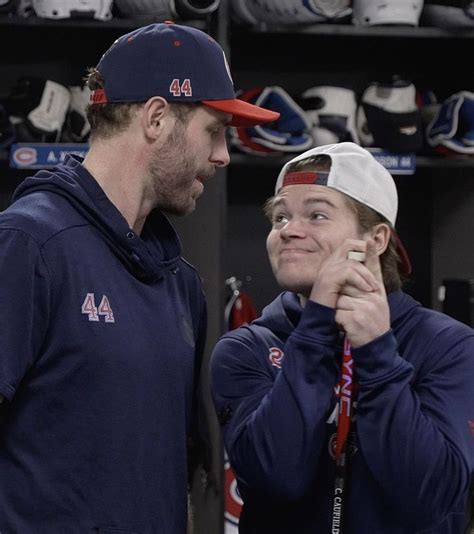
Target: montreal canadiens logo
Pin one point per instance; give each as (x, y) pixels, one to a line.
(232, 500)
(24, 156)
(275, 356)
(351, 446)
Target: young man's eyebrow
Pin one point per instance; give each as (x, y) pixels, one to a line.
(309, 201)
(280, 201)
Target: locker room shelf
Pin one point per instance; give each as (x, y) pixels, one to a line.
(115, 23)
(348, 30)
(245, 160)
(421, 161)
(278, 161)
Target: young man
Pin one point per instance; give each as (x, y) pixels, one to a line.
(102, 322)
(405, 464)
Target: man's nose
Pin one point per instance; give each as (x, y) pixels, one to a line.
(293, 228)
(220, 155)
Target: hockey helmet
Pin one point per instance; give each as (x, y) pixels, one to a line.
(378, 12)
(64, 9)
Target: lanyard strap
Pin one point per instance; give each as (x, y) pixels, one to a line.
(345, 398)
(343, 427)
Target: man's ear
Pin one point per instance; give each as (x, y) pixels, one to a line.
(381, 234)
(154, 112)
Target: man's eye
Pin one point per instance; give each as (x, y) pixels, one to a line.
(318, 216)
(215, 131)
(279, 218)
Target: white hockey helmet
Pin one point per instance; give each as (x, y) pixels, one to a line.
(278, 12)
(24, 8)
(449, 14)
(378, 12)
(195, 8)
(330, 9)
(64, 9)
(166, 9)
(160, 9)
(243, 13)
(286, 12)
(332, 112)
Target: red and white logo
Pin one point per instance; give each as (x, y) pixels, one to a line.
(233, 501)
(275, 356)
(93, 312)
(24, 156)
(351, 447)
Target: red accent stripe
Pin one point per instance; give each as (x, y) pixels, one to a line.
(345, 399)
(300, 177)
(246, 140)
(405, 262)
(98, 97)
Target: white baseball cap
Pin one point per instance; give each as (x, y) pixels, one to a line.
(356, 173)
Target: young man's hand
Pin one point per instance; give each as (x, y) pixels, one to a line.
(338, 272)
(364, 314)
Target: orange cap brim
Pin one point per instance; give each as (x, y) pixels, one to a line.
(244, 115)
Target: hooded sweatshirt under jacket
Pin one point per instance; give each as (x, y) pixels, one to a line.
(411, 451)
(101, 332)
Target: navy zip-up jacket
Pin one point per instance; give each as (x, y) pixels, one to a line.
(275, 384)
(101, 334)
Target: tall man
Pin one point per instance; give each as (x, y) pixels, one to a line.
(102, 322)
(407, 460)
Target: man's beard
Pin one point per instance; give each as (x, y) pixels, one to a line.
(172, 173)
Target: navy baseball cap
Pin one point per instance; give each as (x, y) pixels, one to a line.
(179, 63)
